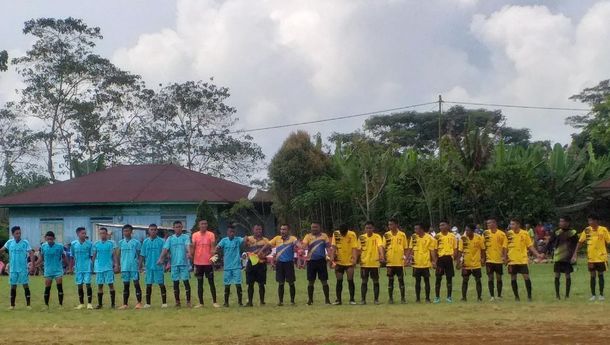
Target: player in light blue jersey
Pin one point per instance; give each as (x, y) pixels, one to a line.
(129, 259)
(178, 246)
(150, 254)
(18, 252)
(231, 247)
(52, 258)
(80, 265)
(104, 266)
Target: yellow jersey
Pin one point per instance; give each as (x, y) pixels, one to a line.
(446, 244)
(471, 250)
(369, 250)
(495, 244)
(254, 245)
(517, 247)
(395, 246)
(344, 247)
(421, 247)
(597, 242)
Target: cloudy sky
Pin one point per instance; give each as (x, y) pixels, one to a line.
(293, 61)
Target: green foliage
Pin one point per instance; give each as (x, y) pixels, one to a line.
(206, 212)
(595, 126)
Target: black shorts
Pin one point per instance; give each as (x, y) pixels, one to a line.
(492, 268)
(475, 272)
(395, 271)
(256, 273)
(207, 270)
(284, 272)
(317, 268)
(421, 272)
(518, 269)
(563, 267)
(444, 266)
(342, 268)
(597, 267)
(372, 272)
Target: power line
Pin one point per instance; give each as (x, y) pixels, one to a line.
(333, 118)
(517, 106)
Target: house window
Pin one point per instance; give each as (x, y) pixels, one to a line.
(52, 224)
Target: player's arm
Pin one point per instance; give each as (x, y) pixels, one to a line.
(162, 257)
(433, 257)
(381, 251)
(533, 250)
(459, 255)
(581, 240)
(116, 255)
(65, 260)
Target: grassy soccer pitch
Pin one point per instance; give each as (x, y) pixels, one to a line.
(506, 322)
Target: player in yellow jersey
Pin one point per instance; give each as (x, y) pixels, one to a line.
(422, 254)
(370, 249)
(519, 242)
(343, 254)
(472, 255)
(446, 251)
(396, 246)
(597, 239)
(496, 245)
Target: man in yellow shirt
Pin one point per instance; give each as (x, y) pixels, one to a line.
(496, 245)
(316, 243)
(396, 246)
(446, 251)
(519, 242)
(344, 253)
(370, 248)
(597, 239)
(472, 255)
(422, 254)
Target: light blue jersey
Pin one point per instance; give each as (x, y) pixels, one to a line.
(231, 252)
(18, 252)
(151, 251)
(103, 251)
(81, 252)
(177, 247)
(53, 263)
(130, 251)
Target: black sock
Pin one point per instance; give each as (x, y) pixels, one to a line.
(499, 282)
(479, 286)
(427, 287)
(227, 293)
(417, 288)
(126, 293)
(528, 288)
(280, 292)
(376, 290)
(136, 284)
(26, 291)
(513, 284)
(293, 292)
(391, 288)
(47, 293)
(89, 293)
(490, 286)
(351, 286)
(163, 294)
(212, 288)
(100, 298)
(592, 285)
(601, 284)
(310, 292)
(148, 293)
(177, 291)
(339, 289)
(239, 294)
(568, 285)
(187, 290)
(557, 287)
(60, 293)
(81, 294)
(449, 287)
(261, 292)
(401, 287)
(250, 292)
(326, 290)
(112, 298)
(363, 289)
(13, 295)
(200, 289)
(464, 288)
(437, 286)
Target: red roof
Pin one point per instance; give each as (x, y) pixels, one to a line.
(134, 184)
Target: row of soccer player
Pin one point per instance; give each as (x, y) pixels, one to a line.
(344, 250)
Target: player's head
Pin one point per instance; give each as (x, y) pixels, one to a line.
(492, 223)
(230, 231)
(257, 230)
(203, 225)
(49, 237)
(419, 228)
(103, 232)
(127, 230)
(16, 232)
(343, 229)
(81, 233)
(284, 230)
(515, 224)
(316, 227)
(178, 227)
(369, 227)
(153, 230)
(469, 229)
(443, 226)
(593, 220)
(564, 222)
(392, 224)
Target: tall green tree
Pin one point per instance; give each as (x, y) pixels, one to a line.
(594, 127)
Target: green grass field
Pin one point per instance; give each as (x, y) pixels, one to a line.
(506, 322)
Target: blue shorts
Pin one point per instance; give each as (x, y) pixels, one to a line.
(82, 278)
(127, 277)
(53, 276)
(232, 277)
(106, 277)
(180, 273)
(155, 277)
(19, 278)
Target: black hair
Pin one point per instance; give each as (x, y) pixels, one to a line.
(284, 224)
(471, 226)
(80, 228)
(178, 222)
(316, 222)
(368, 222)
(393, 220)
(49, 234)
(230, 226)
(153, 225)
(103, 229)
(516, 220)
(444, 221)
(127, 226)
(566, 218)
(15, 228)
(593, 216)
(421, 225)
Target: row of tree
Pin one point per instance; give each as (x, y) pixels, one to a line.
(398, 166)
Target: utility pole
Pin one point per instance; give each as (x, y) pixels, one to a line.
(440, 115)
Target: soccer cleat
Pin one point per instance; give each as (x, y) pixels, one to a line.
(601, 298)
(390, 301)
(327, 302)
(428, 301)
(188, 305)
(337, 303)
(449, 300)
(138, 306)
(280, 304)
(403, 301)
(146, 306)
(529, 299)
(492, 299)
(198, 306)
(517, 299)
(352, 302)
(309, 302)
(178, 305)
(123, 307)
(249, 305)
(293, 304)
(79, 307)
(89, 306)
(437, 300)
(98, 307)
(164, 305)
(28, 307)
(11, 307)
(376, 302)
(262, 303)
(479, 299)
(463, 299)
(216, 305)
(592, 299)
(226, 305)
(362, 302)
